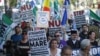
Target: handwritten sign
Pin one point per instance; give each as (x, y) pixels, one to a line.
(38, 43)
(79, 18)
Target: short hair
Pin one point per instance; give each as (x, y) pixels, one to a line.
(16, 27)
(85, 43)
(84, 25)
(73, 32)
(90, 32)
(24, 32)
(52, 41)
(65, 48)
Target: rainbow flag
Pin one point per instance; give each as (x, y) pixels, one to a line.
(46, 5)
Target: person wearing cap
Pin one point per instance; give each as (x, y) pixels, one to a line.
(85, 48)
(73, 41)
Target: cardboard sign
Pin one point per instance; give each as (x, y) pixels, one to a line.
(93, 51)
(38, 43)
(42, 19)
(16, 17)
(79, 18)
(26, 12)
(53, 30)
(54, 23)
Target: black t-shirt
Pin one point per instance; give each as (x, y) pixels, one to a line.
(94, 44)
(23, 48)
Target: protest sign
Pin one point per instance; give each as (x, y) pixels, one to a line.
(93, 51)
(79, 18)
(16, 17)
(26, 12)
(53, 30)
(54, 23)
(38, 43)
(42, 19)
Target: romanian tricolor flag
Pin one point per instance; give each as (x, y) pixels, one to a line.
(46, 5)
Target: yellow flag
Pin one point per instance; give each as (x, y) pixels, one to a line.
(46, 5)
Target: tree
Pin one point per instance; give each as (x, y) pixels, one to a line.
(12, 3)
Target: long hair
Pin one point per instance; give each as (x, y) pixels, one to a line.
(51, 42)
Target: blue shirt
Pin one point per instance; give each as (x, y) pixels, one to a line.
(16, 38)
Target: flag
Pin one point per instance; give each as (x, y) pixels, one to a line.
(6, 23)
(46, 5)
(67, 2)
(32, 3)
(55, 6)
(34, 7)
(7, 20)
(64, 19)
(94, 15)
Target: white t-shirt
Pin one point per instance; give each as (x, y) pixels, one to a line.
(57, 54)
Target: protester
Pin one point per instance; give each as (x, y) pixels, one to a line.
(28, 27)
(84, 33)
(9, 48)
(53, 49)
(60, 40)
(17, 36)
(85, 48)
(73, 42)
(92, 38)
(24, 45)
(66, 51)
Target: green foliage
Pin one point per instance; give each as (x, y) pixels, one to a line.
(96, 29)
(13, 3)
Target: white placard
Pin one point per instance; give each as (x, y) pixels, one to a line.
(79, 18)
(26, 12)
(42, 19)
(38, 43)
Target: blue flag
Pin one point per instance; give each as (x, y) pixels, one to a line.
(32, 3)
(67, 2)
(64, 19)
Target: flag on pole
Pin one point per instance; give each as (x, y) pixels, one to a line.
(55, 6)
(65, 15)
(33, 5)
(64, 19)
(7, 20)
(94, 15)
(67, 2)
(46, 5)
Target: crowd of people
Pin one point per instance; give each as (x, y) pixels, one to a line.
(57, 45)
